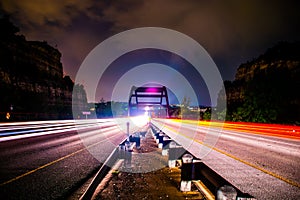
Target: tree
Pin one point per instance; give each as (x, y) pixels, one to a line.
(184, 108)
(207, 115)
(79, 100)
(267, 97)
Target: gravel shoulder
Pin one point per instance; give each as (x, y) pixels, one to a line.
(163, 183)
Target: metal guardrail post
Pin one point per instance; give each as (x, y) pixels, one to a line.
(175, 153)
(197, 171)
(165, 147)
(226, 192)
(128, 154)
(186, 173)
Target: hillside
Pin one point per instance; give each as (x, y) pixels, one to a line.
(266, 89)
(32, 85)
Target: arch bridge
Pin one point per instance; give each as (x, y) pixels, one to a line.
(150, 100)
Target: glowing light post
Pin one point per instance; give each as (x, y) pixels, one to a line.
(127, 160)
(147, 113)
(128, 149)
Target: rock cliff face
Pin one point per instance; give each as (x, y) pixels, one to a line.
(32, 85)
(267, 88)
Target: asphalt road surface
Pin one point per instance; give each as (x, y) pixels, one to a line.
(260, 162)
(49, 160)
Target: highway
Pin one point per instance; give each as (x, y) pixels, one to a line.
(50, 159)
(262, 160)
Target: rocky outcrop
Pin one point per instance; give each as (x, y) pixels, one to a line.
(267, 88)
(32, 85)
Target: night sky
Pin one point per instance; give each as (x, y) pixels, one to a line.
(232, 32)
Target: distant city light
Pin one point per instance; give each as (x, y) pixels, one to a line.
(7, 116)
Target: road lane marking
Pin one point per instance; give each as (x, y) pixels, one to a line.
(48, 164)
(41, 167)
(291, 182)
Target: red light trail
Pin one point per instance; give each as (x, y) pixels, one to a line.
(286, 131)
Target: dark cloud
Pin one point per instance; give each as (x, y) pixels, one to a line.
(238, 30)
(39, 13)
(214, 22)
(231, 31)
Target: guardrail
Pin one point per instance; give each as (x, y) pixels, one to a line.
(123, 151)
(193, 170)
(100, 175)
